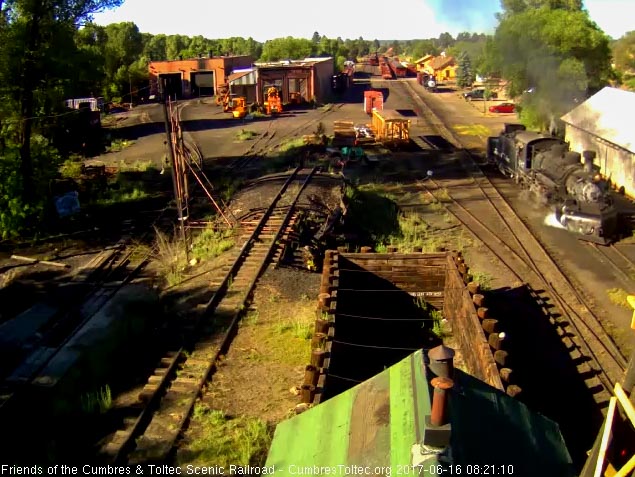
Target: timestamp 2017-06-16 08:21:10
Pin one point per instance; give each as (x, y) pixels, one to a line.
(469, 469)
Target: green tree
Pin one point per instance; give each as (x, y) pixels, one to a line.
(474, 49)
(155, 48)
(464, 73)
(37, 48)
(445, 40)
(419, 48)
(123, 47)
(559, 52)
(174, 45)
(512, 7)
(287, 48)
(624, 53)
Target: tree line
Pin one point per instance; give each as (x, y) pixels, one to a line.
(50, 51)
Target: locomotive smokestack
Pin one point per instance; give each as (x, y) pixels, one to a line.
(588, 160)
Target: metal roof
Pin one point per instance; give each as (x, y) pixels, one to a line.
(424, 59)
(379, 423)
(605, 115)
(441, 62)
(292, 63)
(375, 423)
(243, 77)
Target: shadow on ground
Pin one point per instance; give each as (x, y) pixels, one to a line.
(544, 370)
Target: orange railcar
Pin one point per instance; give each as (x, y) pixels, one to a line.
(390, 127)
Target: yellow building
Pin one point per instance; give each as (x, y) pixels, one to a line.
(423, 62)
(442, 67)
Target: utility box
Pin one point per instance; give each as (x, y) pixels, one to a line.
(373, 100)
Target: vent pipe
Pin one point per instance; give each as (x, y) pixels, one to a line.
(439, 414)
(441, 361)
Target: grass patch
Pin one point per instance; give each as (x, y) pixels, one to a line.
(483, 279)
(211, 243)
(291, 146)
(430, 312)
(443, 195)
(117, 145)
(118, 196)
(71, 169)
(618, 296)
(372, 211)
(227, 186)
(97, 402)
(170, 257)
(245, 135)
(414, 232)
(225, 440)
(287, 338)
(297, 327)
(136, 166)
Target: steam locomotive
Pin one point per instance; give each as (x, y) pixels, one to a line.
(544, 164)
(427, 81)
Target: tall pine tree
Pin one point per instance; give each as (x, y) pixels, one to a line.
(465, 72)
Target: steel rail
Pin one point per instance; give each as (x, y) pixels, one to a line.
(198, 360)
(609, 377)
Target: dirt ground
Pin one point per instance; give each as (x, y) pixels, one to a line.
(265, 362)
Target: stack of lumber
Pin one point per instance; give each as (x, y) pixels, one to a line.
(343, 133)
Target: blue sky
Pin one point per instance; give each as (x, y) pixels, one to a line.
(397, 19)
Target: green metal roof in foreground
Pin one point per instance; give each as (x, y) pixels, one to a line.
(372, 429)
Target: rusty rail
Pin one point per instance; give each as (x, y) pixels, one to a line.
(160, 420)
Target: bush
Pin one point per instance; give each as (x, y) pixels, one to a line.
(15, 214)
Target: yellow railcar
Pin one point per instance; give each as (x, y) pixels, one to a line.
(390, 126)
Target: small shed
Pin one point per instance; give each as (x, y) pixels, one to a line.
(380, 427)
(244, 83)
(298, 80)
(600, 124)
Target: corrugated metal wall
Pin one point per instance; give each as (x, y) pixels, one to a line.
(324, 70)
(615, 163)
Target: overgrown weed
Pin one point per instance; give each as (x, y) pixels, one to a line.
(210, 243)
(225, 440)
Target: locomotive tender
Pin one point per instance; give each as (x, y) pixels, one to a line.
(544, 164)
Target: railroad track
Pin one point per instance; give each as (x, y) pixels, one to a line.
(616, 259)
(168, 398)
(521, 252)
(265, 140)
(494, 221)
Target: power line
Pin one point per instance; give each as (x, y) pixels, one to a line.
(66, 113)
(378, 318)
(375, 346)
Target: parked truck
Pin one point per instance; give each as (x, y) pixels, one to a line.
(479, 93)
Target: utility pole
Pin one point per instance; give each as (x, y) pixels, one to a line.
(174, 169)
(130, 84)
